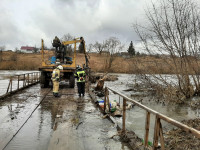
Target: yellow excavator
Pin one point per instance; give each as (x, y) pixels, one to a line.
(62, 58)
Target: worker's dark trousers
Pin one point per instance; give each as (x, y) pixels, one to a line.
(81, 88)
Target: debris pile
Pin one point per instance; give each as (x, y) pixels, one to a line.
(177, 139)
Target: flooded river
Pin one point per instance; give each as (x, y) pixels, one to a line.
(42, 121)
(136, 117)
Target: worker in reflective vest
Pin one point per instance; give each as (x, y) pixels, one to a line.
(56, 79)
(80, 75)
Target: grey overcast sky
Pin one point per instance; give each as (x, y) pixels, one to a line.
(26, 22)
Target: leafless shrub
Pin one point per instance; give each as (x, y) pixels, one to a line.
(173, 30)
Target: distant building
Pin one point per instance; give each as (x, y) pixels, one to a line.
(27, 49)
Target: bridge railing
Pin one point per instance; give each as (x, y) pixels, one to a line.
(18, 82)
(158, 131)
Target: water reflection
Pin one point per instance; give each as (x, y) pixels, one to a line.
(36, 132)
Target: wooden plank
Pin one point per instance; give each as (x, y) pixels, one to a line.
(180, 125)
(24, 82)
(18, 82)
(162, 138)
(146, 136)
(105, 100)
(108, 101)
(8, 87)
(156, 132)
(124, 116)
(28, 78)
(11, 84)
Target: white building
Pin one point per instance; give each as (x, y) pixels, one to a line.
(27, 49)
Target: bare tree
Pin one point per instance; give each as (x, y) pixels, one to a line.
(67, 37)
(68, 48)
(2, 48)
(173, 30)
(99, 47)
(89, 48)
(113, 46)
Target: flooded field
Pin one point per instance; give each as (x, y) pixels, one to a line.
(53, 115)
(4, 79)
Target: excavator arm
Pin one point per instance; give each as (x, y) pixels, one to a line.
(81, 47)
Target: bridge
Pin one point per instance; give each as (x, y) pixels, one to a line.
(76, 121)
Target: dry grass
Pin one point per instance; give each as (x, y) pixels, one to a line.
(14, 61)
(136, 65)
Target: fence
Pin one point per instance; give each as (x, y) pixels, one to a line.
(19, 82)
(158, 132)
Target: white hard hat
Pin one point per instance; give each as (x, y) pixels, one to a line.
(60, 67)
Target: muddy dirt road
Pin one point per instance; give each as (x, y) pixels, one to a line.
(68, 122)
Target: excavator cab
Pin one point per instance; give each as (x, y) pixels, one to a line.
(65, 55)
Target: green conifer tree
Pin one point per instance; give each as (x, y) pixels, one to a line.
(131, 49)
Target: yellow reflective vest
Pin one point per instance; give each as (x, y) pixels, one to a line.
(56, 75)
(80, 75)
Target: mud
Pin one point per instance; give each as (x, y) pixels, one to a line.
(79, 125)
(108, 77)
